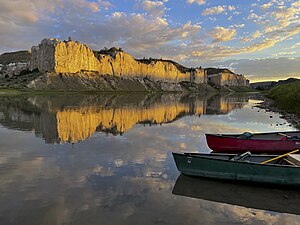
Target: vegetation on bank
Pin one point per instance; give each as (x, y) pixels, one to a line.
(287, 97)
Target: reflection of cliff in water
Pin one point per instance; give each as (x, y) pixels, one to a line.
(60, 119)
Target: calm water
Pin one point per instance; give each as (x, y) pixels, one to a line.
(107, 160)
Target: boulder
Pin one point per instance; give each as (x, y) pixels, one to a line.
(13, 69)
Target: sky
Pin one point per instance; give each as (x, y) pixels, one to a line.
(257, 38)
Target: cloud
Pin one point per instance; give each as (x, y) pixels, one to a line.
(155, 8)
(285, 13)
(283, 54)
(149, 32)
(20, 19)
(199, 2)
(296, 4)
(213, 10)
(266, 69)
(221, 34)
(266, 6)
(295, 45)
(237, 25)
(231, 7)
(253, 16)
(254, 36)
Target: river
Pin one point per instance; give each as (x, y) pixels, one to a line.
(106, 159)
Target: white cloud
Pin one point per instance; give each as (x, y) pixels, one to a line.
(295, 45)
(256, 34)
(266, 6)
(221, 34)
(155, 8)
(253, 16)
(283, 54)
(199, 2)
(213, 10)
(296, 4)
(231, 7)
(237, 25)
(267, 68)
(149, 33)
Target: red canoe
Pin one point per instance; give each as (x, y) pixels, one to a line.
(275, 142)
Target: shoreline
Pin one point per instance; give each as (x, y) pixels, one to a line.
(269, 105)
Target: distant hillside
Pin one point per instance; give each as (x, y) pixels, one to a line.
(287, 96)
(11, 57)
(267, 85)
(180, 67)
(217, 70)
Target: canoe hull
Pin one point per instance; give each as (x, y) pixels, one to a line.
(237, 171)
(219, 143)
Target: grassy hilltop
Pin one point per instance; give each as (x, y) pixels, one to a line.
(287, 97)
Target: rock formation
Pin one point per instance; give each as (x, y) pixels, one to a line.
(13, 69)
(56, 56)
(225, 77)
(70, 65)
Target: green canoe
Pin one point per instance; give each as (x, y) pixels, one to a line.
(247, 167)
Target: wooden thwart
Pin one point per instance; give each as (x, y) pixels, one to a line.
(294, 159)
(288, 136)
(280, 156)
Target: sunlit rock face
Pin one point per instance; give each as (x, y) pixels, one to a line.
(56, 56)
(227, 79)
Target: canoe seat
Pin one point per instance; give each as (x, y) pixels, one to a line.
(241, 157)
(294, 159)
(245, 135)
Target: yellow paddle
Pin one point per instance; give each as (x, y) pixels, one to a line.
(280, 156)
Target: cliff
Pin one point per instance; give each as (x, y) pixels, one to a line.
(70, 65)
(56, 56)
(227, 79)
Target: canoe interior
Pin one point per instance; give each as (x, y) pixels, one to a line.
(251, 158)
(265, 136)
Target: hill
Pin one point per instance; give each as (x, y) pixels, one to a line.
(13, 57)
(267, 85)
(287, 96)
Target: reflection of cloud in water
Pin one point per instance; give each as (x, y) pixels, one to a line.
(87, 183)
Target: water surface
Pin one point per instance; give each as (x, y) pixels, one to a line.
(106, 159)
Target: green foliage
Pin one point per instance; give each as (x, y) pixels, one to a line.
(287, 97)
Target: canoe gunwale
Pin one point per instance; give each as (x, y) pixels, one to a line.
(236, 136)
(238, 162)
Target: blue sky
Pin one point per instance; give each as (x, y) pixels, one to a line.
(258, 38)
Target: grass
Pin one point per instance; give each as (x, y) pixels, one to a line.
(287, 97)
(4, 92)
